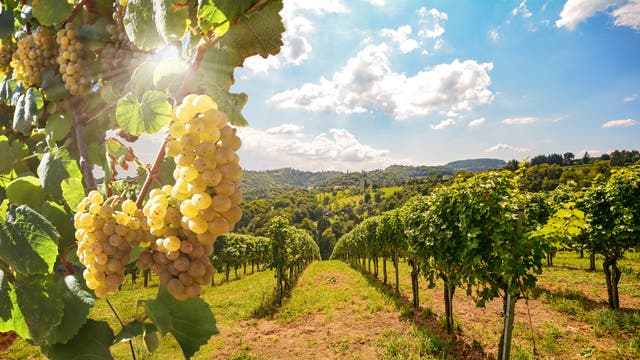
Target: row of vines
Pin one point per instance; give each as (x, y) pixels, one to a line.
(80, 82)
(485, 235)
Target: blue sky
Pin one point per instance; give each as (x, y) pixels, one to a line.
(364, 84)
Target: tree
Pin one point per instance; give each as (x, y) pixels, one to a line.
(585, 158)
(568, 158)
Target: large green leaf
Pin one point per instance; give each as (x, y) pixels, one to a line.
(52, 86)
(12, 152)
(40, 301)
(51, 12)
(170, 17)
(77, 300)
(258, 34)
(149, 115)
(230, 104)
(54, 168)
(28, 108)
(5, 300)
(6, 23)
(140, 25)
(92, 342)
(62, 220)
(26, 190)
(190, 322)
(72, 192)
(28, 241)
(57, 128)
(11, 317)
(133, 329)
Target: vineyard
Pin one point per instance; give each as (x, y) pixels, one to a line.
(105, 256)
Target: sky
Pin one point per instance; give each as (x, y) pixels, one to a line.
(364, 84)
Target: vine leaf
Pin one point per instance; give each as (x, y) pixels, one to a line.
(51, 12)
(26, 190)
(133, 329)
(76, 300)
(146, 116)
(5, 300)
(57, 128)
(11, 152)
(140, 24)
(62, 220)
(170, 19)
(28, 109)
(40, 302)
(91, 342)
(190, 322)
(258, 34)
(28, 241)
(11, 317)
(229, 103)
(6, 23)
(54, 168)
(52, 86)
(72, 192)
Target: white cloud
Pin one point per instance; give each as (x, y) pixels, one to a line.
(520, 120)
(494, 35)
(628, 15)
(476, 122)
(376, 2)
(296, 47)
(521, 9)
(432, 22)
(367, 81)
(443, 124)
(624, 12)
(401, 36)
(631, 98)
(619, 123)
(288, 145)
(502, 147)
(590, 152)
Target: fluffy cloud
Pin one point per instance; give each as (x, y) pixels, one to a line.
(288, 145)
(494, 35)
(401, 37)
(624, 13)
(376, 2)
(631, 98)
(628, 15)
(432, 23)
(296, 47)
(520, 120)
(619, 123)
(499, 147)
(522, 9)
(367, 81)
(476, 122)
(443, 124)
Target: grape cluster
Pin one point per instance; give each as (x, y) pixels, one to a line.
(105, 237)
(186, 218)
(7, 47)
(120, 55)
(72, 61)
(36, 53)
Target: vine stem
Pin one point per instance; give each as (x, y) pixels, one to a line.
(113, 309)
(76, 11)
(85, 164)
(16, 162)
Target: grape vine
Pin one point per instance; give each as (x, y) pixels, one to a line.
(79, 81)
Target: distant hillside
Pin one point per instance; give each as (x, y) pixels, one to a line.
(477, 164)
(261, 183)
(392, 176)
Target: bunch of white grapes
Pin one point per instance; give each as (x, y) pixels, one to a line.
(36, 52)
(120, 56)
(72, 61)
(105, 237)
(203, 202)
(7, 47)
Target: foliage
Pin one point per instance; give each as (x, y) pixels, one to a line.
(73, 109)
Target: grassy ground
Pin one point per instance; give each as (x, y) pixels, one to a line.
(336, 312)
(566, 316)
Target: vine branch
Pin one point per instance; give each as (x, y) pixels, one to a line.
(113, 309)
(76, 11)
(17, 161)
(85, 164)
